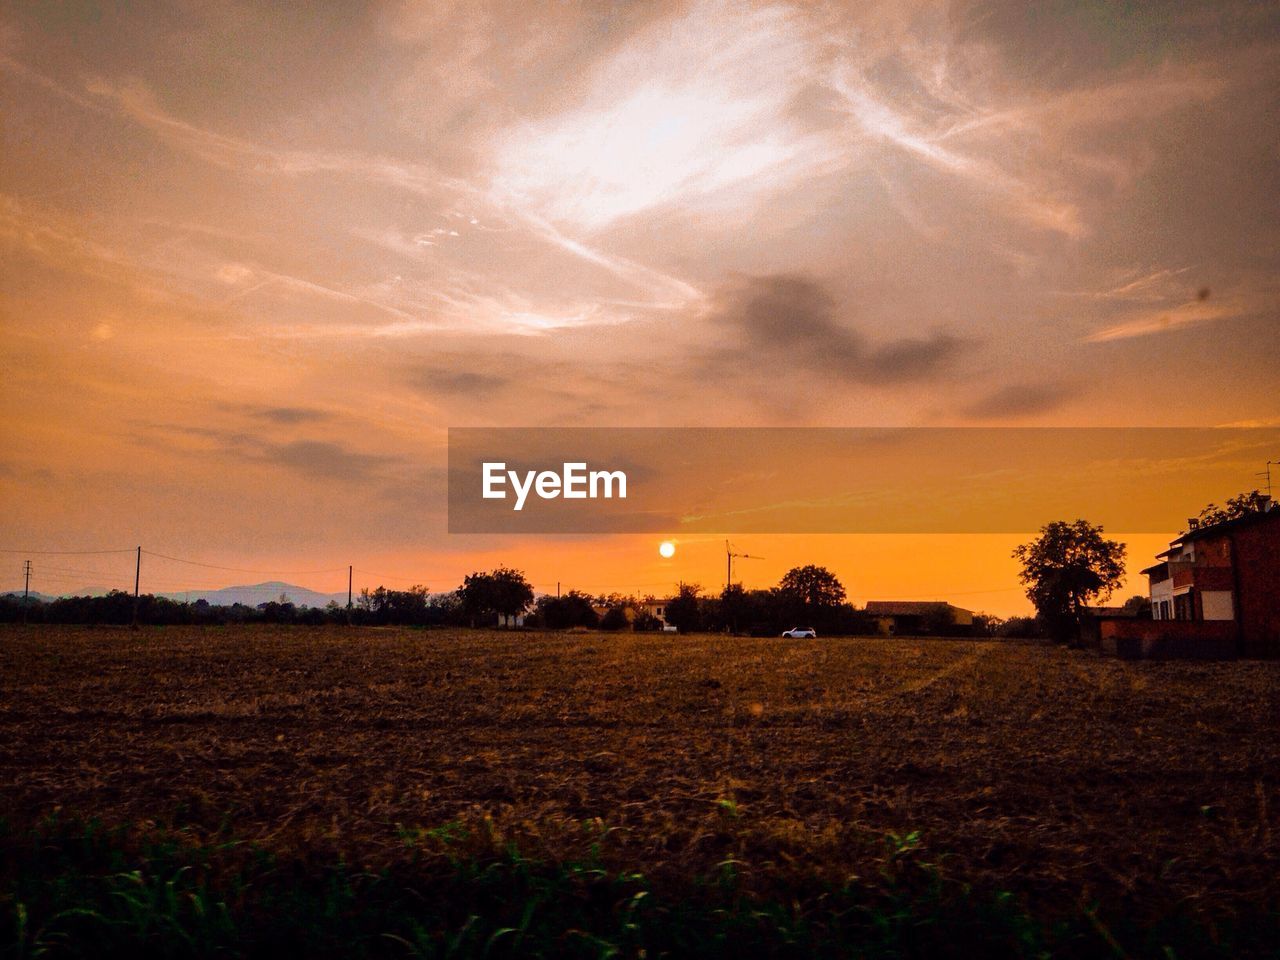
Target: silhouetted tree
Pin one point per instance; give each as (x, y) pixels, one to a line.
(1242, 505)
(571, 610)
(812, 588)
(503, 591)
(810, 596)
(1139, 606)
(615, 618)
(684, 609)
(735, 608)
(1021, 628)
(986, 624)
(1068, 565)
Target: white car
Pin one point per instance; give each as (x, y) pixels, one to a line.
(799, 633)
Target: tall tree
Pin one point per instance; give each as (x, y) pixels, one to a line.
(1068, 565)
(502, 591)
(811, 588)
(684, 611)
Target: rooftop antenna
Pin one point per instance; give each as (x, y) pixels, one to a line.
(1266, 474)
(729, 556)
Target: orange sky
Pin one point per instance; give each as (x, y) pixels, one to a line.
(258, 259)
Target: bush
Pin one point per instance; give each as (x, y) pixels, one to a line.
(615, 618)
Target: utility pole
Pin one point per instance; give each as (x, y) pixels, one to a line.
(557, 589)
(349, 568)
(26, 589)
(137, 579)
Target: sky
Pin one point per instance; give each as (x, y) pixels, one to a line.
(258, 258)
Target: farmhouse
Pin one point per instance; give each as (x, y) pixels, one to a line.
(1214, 592)
(657, 609)
(907, 617)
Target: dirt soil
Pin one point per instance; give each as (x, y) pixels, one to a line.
(1055, 773)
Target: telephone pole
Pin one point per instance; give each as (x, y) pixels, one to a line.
(349, 569)
(137, 579)
(26, 588)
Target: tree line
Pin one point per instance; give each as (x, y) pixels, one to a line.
(807, 596)
(1066, 567)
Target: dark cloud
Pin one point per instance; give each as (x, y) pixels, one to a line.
(288, 415)
(459, 381)
(317, 459)
(322, 459)
(790, 321)
(1020, 400)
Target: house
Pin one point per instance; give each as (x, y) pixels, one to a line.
(907, 617)
(1214, 593)
(654, 608)
(658, 610)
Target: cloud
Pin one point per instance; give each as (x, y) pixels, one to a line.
(1190, 313)
(289, 415)
(687, 110)
(322, 459)
(1019, 400)
(790, 321)
(135, 101)
(458, 381)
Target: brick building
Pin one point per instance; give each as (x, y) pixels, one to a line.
(1217, 586)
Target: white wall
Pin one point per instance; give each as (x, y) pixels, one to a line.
(1162, 590)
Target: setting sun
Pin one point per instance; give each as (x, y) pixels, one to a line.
(667, 549)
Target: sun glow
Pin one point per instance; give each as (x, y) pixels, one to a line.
(678, 116)
(667, 549)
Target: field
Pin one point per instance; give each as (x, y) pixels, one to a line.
(399, 792)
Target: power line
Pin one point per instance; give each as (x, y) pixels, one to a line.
(51, 553)
(214, 566)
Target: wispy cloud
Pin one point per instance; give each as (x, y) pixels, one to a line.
(1193, 312)
(684, 112)
(133, 100)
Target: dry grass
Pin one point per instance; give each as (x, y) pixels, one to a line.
(1065, 777)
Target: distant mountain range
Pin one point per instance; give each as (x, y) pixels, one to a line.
(255, 593)
(249, 594)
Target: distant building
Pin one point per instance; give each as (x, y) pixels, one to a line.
(1092, 619)
(1214, 592)
(658, 610)
(908, 617)
(654, 608)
